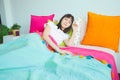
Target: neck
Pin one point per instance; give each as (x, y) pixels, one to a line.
(62, 29)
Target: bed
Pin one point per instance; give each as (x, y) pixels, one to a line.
(28, 58)
(32, 60)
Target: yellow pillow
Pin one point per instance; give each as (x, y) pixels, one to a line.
(102, 31)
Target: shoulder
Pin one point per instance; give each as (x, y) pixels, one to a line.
(52, 25)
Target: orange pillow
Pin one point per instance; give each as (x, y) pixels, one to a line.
(102, 31)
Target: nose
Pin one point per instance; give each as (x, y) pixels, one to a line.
(67, 21)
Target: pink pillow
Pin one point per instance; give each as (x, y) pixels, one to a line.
(37, 22)
(40, 34)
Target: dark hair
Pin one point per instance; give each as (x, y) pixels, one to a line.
(67, 29)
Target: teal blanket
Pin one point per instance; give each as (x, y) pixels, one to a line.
(27, 58)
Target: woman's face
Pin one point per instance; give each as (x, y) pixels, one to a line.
(66, 22)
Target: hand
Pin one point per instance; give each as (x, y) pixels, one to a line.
(75, 27)
(63, 52)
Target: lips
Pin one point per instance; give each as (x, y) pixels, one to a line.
(65, 24)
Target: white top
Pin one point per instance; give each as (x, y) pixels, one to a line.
(58, 35)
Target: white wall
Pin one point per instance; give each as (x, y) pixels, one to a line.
(5, 11)
(2, 12)
(22, 9)
(19, 11)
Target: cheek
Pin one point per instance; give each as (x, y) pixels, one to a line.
(62, 24)
(69, 25)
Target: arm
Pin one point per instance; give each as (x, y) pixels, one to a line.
(69, 42)
(50, 42)
(47, 39)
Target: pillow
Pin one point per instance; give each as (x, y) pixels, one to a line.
(37, 22)
(102, 31)
(78, 34)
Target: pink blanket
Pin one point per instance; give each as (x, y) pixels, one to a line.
(99, 55)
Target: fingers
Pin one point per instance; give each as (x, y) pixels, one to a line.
(75, 25)
(66, 52)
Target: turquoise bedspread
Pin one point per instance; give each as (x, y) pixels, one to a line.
(27, 58)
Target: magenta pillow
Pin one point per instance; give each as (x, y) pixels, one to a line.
(37, 22)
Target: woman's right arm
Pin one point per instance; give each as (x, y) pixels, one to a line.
(50, 42)
(47, 38)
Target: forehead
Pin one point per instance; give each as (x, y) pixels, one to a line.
(68, 18)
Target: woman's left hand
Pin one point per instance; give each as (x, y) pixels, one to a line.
(75, 27)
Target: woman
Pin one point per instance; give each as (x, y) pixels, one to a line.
(60, 34)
